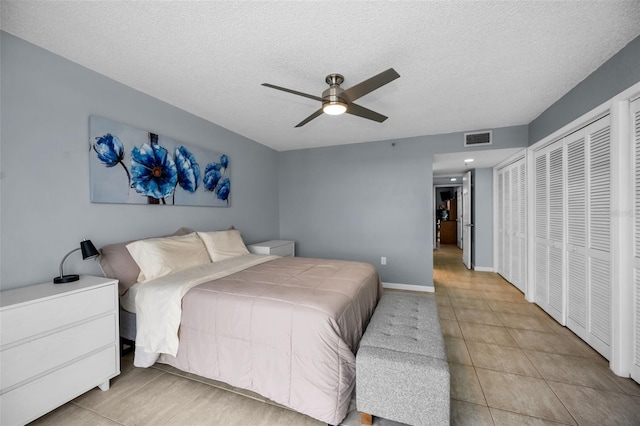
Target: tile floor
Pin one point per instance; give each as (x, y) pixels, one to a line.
(510, 364)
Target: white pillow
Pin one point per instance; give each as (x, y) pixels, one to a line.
(223, 244)
(157, 257)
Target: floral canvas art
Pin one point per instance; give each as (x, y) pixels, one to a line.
(130, 165)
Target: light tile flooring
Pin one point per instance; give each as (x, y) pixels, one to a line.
(510, 364)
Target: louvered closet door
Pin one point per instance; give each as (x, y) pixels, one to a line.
(511, 223)
(501, 231)
(599, 236)
(522, 230)
(541, 255)
(506, 268)
(635, 120)
(555, 307)
(577, 289)
(514, 252)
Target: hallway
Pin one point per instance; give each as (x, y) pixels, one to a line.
(512, 364)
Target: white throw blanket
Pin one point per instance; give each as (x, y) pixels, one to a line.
(159, 305)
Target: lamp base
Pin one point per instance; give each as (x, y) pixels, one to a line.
(66, 279)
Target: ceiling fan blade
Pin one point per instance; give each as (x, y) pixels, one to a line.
(293, 91)
(363, 112)
(367, 86)
(309, 118)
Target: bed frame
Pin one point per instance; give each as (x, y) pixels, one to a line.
(127, 331)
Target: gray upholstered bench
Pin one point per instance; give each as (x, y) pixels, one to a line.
(401, 366)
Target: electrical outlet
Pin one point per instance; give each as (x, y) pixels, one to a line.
(383, 260)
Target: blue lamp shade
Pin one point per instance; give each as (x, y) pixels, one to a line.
(88, 250)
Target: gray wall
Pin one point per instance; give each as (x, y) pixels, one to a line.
(358, 201)
(361, 202)
(482, 217)
(614, 76)
(364, 201)
(45, 210)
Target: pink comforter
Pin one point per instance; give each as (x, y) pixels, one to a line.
(287, 329)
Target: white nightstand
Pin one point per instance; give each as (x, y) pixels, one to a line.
(57, 341)
(275, 247)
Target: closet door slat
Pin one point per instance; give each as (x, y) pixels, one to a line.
(556, 232)
(541, 255)
(600, 190)
(501, 231)
(577, 292)
(600, 300)
(599, 236)
(576, 193)
(541, 197)
(514, 246)
(635, 127)
(577, 287)
(542, 270)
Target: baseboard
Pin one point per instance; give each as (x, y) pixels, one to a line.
(483, 268)
(411, 287)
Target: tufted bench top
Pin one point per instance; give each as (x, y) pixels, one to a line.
(405, 323)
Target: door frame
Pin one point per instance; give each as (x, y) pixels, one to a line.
(433, 210)
(467, 222)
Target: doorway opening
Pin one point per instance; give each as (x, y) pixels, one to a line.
(452, 218)
(447, 205)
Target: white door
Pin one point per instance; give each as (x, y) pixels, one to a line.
(635, 120)
(556, 233)
(459, 216)
(466, 220)
(508, 220)
(521, 232)
(577, 283)
(541, 234)
(511, 223)
(549, 230)
(500, 224)
(599, 236)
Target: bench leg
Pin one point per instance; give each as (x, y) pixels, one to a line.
(366, 419)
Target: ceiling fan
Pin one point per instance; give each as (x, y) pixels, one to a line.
(336, 100)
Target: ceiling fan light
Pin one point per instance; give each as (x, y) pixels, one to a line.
(334, 108)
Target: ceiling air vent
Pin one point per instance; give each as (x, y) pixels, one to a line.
(477, 138)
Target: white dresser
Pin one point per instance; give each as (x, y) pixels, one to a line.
(275, 247)
(57, 341)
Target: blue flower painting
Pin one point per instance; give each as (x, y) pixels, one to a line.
(188, 169)
(110, 151)
(157, 169)
(211, 176)
(223, 188)
(215, 180)
(154, 172)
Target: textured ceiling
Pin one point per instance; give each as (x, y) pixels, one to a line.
(464, 65)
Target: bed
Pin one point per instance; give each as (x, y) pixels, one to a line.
(286, 328)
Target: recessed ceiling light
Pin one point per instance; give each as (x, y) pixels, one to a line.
(453, 179)
(469, 160)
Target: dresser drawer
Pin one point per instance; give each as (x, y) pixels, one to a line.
(44, 316)
(36, 357)
(28, 402)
